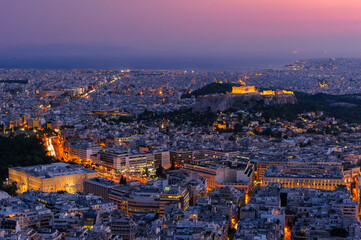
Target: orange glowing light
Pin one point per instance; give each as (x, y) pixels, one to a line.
(247, 198)
(234, 223)
(244, 89)
(287, 233)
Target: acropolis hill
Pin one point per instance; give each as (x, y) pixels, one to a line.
(243, 97)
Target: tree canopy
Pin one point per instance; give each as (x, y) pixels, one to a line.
(21, 150)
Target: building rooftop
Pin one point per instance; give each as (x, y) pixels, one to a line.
(102, 181)
(53, 170)
(288, 171)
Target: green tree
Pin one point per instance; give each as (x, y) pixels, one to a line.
(121, 181)
(159, 172)
(11, 189)
(232, 138)
(172, 166)
(146, 172)
(237, 128)
(21, 150)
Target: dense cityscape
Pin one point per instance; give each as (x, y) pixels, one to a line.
(180, 120)
(156, 154)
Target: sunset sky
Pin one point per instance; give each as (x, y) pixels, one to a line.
(182, 28)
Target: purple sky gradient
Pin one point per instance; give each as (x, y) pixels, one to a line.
(198, 27)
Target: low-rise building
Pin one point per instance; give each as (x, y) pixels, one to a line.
(99, 186)
(321, 177)
(51, 177)
(82, 150)
(224, 172)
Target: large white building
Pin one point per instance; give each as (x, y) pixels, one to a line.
(51, 177)
(111, 158)
(134, 161)
(82, 150)
(224, 172)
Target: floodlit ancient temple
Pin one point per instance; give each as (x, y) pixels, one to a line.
(244, 89)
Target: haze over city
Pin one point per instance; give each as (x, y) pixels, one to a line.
(202, 34)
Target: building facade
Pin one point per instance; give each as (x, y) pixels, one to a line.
(51, 178)
(220, 174)
(321, 177)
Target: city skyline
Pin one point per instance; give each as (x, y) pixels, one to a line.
(169, 119)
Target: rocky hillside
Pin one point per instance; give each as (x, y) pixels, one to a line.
(222, 102)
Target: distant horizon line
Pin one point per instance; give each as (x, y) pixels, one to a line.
(162, 64)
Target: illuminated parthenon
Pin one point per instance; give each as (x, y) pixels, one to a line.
(252, 89)
(244, 89)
